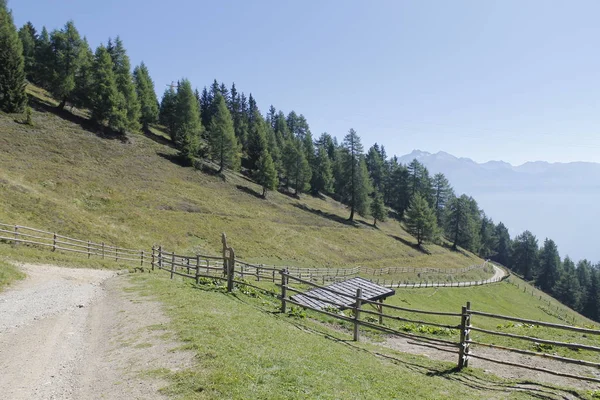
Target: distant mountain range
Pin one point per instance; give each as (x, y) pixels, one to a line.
(556, 200)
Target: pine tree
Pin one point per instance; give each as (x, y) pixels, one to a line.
(188, 126)
(378, 211)
(400, 188)
(104, 98)
(357, 186)
(44, 60)
(460, 226)
(168, 108)
(257, 139)
(28, 36)
(125, 83)
(420, 220)
(296, 166)
(566, 288)
(503, 246)
(12, 65)
(375, 167)
(66, 46)
(524, 258)
(144, 87)
(223, 146)
(488, 240)
(322, 175)
(84, 77)
(205, 105)
(442, 192)
(548, 273)
(266, 174)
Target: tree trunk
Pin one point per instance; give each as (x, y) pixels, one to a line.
(375, 222)
(62, 104)
(351, 214)
(264, 195)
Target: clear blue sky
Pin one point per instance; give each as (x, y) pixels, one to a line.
(511, 80)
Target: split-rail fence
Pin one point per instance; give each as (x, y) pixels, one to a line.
(227, 268)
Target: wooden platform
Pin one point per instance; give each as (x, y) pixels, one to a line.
(370, 291)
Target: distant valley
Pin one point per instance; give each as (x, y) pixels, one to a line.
(555, 200)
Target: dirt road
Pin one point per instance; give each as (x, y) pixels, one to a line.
(79, 334)
(499, 273)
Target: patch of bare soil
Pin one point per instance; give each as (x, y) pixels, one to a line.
(530, 381)
(81, 334)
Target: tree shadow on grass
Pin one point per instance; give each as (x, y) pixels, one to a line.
(330, 216)
(157, 138)
(249, 191)
(174, 158)
(410, 244)
(86, 124)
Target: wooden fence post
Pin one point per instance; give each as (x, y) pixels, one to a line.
(230, 270)
(197, 269)
(116, 254)
(357, 314)
(89, 249)
(103, 250)
(17, 235)
(465, 336)
(188, 265)
(172, 263)
(284, 282)
(142, 258)
(54, 242)
(153, 257)
(160, 257)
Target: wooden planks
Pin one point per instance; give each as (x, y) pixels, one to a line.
(345, 294)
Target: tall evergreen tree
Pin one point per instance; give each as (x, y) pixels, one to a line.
(188, 126)
(525, 255)
(488, 240)
(28, 36)
(66, 48)
(356, 179)
(322, 175)
(12, 64)
(84, 77)
(442, 192)
(125, 83)
(168, 108)
(105, 96)
(548, 273)
(420, 220)
(504, 245)
(296, 166)
(460, 226)
(566, 288)
(146, 95)
(257, 139)
(223, 146)
(266, 174)
(375, 166)
(44, 60)
(399, 186)
(378, 211)
(205, 104)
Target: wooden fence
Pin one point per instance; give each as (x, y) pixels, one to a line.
(463, 323)
(21, 234)
(230, 270)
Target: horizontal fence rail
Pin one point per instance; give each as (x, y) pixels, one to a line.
(19, 234)
(298, 280)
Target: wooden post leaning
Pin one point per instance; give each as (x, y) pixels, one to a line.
(230, 270)
(172, 264)
(284, 282)
(197, 269)
(153, 258)
(357, 314)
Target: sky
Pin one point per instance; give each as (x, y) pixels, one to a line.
(490, 80)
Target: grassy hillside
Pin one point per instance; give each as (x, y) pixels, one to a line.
(62, 175)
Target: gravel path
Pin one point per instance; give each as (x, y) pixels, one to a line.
(499, 273)
(79, 334)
